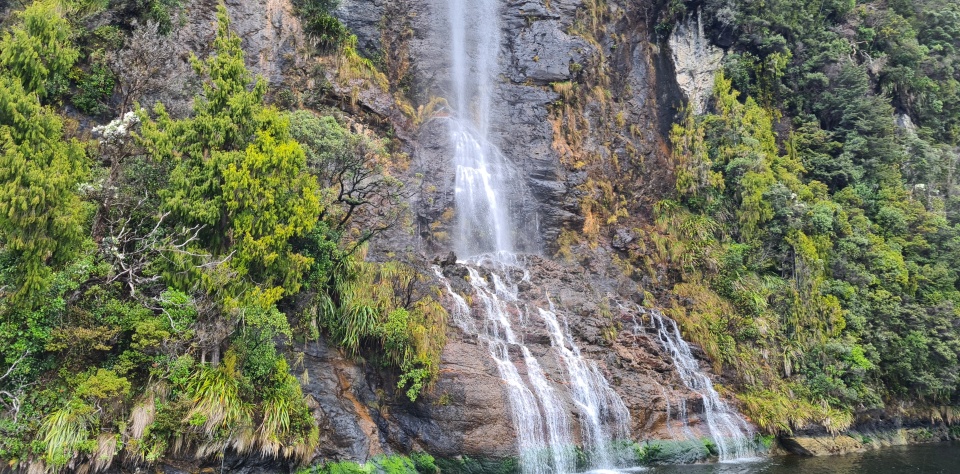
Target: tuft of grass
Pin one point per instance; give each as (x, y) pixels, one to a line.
(288, 428)
(104, 454)
(378, 304)
(219, 412)
(66, 434)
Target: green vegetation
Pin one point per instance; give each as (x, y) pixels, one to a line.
(812, 244)
(153, 282)
(468, 465)
(37, 51)
(416, 463)
(319, 23)
(94, 91)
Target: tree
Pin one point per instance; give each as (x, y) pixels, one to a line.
(41, 213)
(352, 170)
(237, 174)
(38, 51)
(148, 63)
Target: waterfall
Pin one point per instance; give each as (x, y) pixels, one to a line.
(483, 180)
(591, 393)
(732, 435)
(544, 427)
(484, 233)
(483, 223)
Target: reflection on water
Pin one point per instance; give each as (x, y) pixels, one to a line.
(926, 459)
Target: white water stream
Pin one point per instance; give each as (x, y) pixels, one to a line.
(733, 436)
(484, 178)
(543, 424)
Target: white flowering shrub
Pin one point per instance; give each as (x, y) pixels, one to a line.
(117, 130)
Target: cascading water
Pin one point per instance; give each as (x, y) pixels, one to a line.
(481, 170)
(543, 425)
(732, 435)
(592, 394)
(540, 452)
(484, 179)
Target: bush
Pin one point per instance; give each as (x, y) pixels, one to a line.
(67, 433)
(317, 21)
(424, 463)
(94, 90)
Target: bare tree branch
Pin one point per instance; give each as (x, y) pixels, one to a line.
(14, 365)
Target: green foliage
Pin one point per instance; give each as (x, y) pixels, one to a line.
(68, 432)
(38, 50)
(813, 227)
(94, 91)
(376, 304)
(223, 415)
(156, 326)
(843, 253)
(352, 169)
(319, 23)
(162, 12)
(238, 175)
(288, 427)
(166, 14)
(424, 463)
(648, 453)
(417, 463)
(468, 465)
(179, 308)
(102, 385)
(40, 211)
(219, 413)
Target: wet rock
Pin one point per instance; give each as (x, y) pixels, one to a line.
(337, 388)
(450, 259)
(865, 438)
(820, 446)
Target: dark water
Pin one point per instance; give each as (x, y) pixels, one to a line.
(927, 459)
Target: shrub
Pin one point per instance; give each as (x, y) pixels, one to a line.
(320, 24)
(94, 90)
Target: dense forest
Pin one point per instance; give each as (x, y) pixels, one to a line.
(159, 266)
(814, 233)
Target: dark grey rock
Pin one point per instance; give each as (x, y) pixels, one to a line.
(543, 53)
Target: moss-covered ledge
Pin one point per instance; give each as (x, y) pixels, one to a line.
(866, 440)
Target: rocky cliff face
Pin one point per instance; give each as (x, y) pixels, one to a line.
(696, 61)
(625, 100)
(585, 96)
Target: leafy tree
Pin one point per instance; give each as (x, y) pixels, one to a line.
(40, 212)
(237, 173)
(38, 50)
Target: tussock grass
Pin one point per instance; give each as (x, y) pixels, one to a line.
(219, 413)
(107, 448)
(66, 434)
